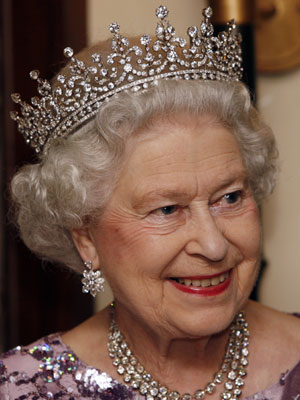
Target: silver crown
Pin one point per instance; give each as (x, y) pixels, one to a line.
(75, 98)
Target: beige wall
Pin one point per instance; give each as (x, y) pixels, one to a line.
(279, 99)
(137, 16)
(279, 102)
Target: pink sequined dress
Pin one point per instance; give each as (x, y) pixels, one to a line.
(48, 369)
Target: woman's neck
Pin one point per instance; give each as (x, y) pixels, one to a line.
(181, 363)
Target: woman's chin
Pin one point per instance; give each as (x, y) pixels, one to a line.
(197, 312)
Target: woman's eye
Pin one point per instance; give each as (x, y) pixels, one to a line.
(233, 197)
(167, 210)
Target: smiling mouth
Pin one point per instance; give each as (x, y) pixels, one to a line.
(203, 282)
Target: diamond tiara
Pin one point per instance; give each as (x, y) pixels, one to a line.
(76, 96)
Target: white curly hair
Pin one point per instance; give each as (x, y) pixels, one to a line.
(71, 185)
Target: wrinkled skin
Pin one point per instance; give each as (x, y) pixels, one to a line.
(182, 207)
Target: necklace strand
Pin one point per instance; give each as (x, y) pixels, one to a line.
(232, 371)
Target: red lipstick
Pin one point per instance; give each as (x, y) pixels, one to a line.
(203, 291)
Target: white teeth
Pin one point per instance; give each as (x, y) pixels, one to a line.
(204, 282)
(215, 281)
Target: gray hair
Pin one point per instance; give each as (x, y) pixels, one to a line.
(71, 185)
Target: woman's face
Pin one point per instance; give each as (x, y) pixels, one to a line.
(179, 241)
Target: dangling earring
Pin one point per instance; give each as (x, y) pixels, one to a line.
(92, 280)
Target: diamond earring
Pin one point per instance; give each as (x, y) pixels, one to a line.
(92, 281)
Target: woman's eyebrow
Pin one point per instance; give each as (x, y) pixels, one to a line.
(174, 194)
(178, 195)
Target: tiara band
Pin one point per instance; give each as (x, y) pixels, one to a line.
(74, 98)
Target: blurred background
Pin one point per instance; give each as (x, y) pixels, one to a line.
(38, 298)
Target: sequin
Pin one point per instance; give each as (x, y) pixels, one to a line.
(47, 369)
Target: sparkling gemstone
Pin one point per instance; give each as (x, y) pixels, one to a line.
(174, 396)
(187, 396)
(135, 384)
(137, 377)
(127, 378)
(127, 67)
(231, 375)
(34, 74)
(182, 42)
(210, 388)
(116, 362)
(203, 27)
(96, 57)
(92, 70)
(137, 50)
(130, 78)
(226, 395)
(145, 40)
(149, 57)
(120, 369)
(208, 12)
(239, 381)
(16, 97)
(244, 361)
(163, 390)
(172, 56)
(219, 377)
(234, 365)
(140, 369)
(130, 369)
(114, 27)
(237, 392)
(161, 12)
(147, 377)
(125, 41)
(199, 395)
(242, 372)
(125, 360)
(14, 115)
(228, 385)
(153, 391)
(159, 29)
(144, 388)
(192, 31)
(61, 78)
(68, 52)
(133, 360)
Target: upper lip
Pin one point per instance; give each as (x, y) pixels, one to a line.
(199, 277)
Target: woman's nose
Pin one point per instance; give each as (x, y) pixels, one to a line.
(205, 238)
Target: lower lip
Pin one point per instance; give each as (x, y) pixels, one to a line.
(203, 291)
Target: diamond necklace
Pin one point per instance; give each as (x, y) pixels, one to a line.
(232, 371)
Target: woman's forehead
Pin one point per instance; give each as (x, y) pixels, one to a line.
(178, 156)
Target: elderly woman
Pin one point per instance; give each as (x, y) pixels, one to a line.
(152, 165)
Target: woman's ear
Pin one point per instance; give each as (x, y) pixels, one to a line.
(85, 246)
